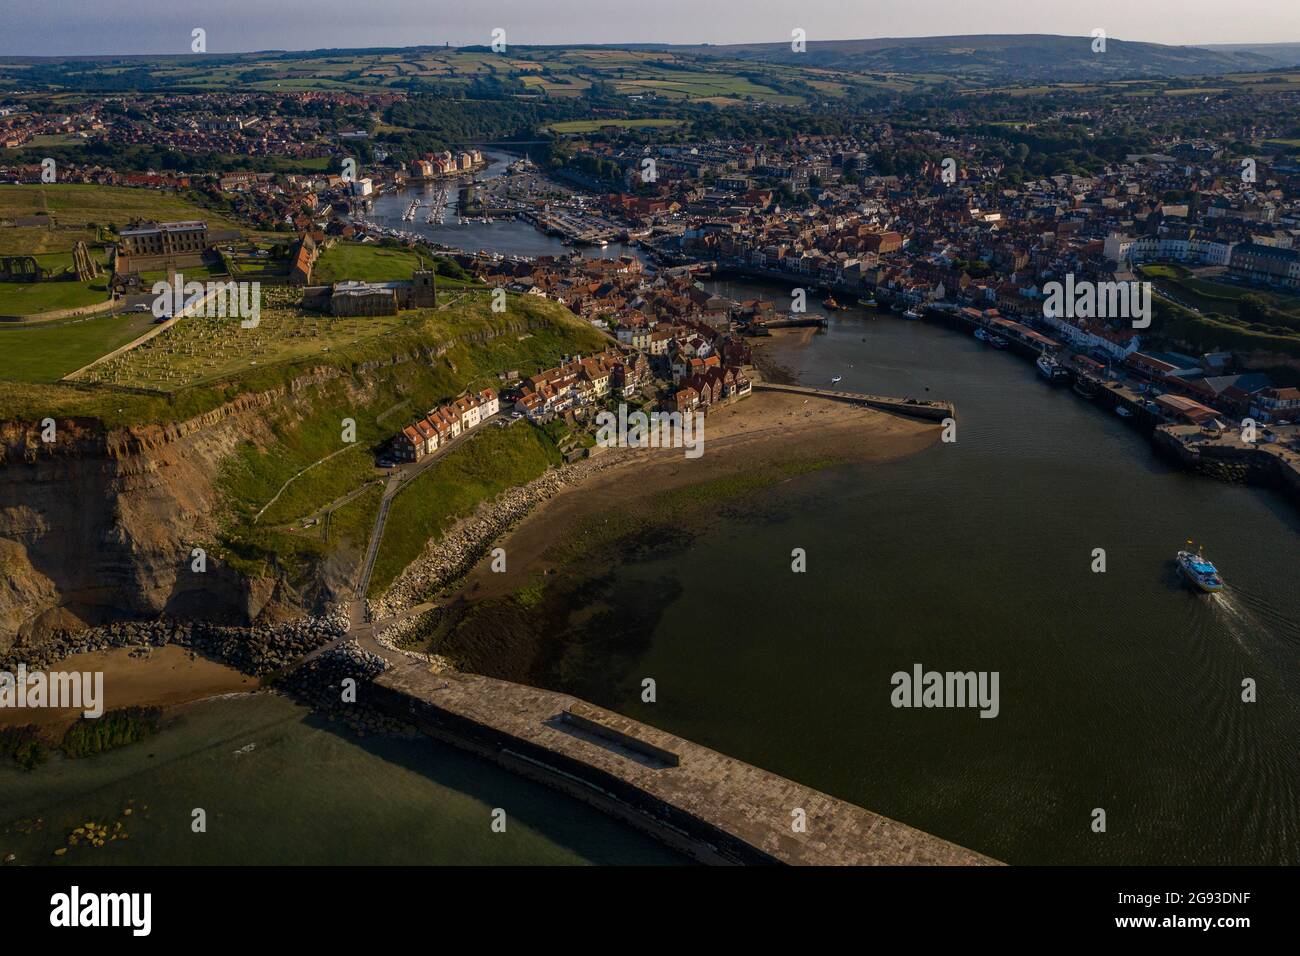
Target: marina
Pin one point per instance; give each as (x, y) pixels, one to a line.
(497, 225)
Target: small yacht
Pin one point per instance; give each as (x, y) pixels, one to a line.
(912, 314)
(836, 380)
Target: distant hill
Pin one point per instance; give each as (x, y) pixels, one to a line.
(1285, 54)
(1035, 57)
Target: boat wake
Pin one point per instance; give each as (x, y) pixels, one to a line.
(1235, 618)
(1261, 615)
(1253, 621)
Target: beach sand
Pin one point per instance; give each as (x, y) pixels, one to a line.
(167, 676)
(755, 435)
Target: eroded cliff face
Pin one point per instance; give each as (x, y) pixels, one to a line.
(100, 525)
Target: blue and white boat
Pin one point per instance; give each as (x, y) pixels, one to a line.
(1201, 573)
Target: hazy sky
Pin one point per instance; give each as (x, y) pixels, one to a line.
(53, 27)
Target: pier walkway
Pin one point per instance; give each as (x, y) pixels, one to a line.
(706, 805)
(915, 408)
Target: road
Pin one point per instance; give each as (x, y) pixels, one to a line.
(398, 478)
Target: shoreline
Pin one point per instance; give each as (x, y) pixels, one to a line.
(166, 677)
(762, 346)
(754, 445)
(757, 433)
(537, 622)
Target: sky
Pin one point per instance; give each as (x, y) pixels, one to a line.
(71, 27)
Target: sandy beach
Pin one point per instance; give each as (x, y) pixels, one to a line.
(752, 436)
(166, 676)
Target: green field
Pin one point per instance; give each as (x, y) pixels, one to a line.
(551, 72)
(702, 85)
(1224, 321)
(364, 262)
(59, 290)
(200, 349)
(554, 331)
(75, 210)
(47, 351)
(30, 298)
(589, 126)
(1213, 333)
(40, 142)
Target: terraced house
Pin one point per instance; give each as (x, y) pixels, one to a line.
(445, 423)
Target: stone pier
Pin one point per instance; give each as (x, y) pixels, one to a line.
(935, 411)
(704, 804)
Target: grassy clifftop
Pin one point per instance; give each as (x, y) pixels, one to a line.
(198, 365)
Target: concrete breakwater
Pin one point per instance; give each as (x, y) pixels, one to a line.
(704, 804)
(911, 407)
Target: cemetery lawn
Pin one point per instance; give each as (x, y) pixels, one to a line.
(199, 349)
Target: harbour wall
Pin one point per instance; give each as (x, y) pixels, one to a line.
(912, 408)
(710, 807)
(1260, 464)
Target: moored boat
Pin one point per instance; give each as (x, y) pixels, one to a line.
(1086, 387)
(1052, 370)
(912, 314)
